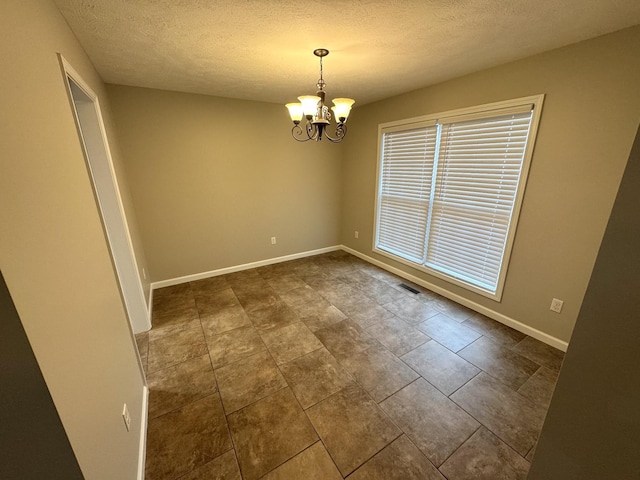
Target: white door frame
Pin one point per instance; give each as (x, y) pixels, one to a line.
(93, 138)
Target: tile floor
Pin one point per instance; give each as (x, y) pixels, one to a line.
(324, 368)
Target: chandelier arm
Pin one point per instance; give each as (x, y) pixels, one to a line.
(312, 131)
(341, 132)
(298, 133)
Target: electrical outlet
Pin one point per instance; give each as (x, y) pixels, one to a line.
(126, 417)
(273, 240)
(355, 234)
(556, 305)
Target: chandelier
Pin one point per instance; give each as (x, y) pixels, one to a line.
(317, 114)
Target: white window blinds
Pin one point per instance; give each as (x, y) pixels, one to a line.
(447, 193)
(405, 191)
(478, 172)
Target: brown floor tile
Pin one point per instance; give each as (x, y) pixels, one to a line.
(485, 457)
(453, 310)
(234, 345)
(224, 467)
(276, 270)
(379, 372)
(541, 353)
(341, 294)
(167, 304)
(248, 380)
(440, 367)
(397, 335)
(380, 291)
(400, 460)
(352, 427)
(500, 362)
(509, 415)
(448, 332)
(366, 312)
(305, 301)
(494, 330)
(305, 268)
(216, 301)
(273, 316)
(256, 298)
(529, 457)
(355, 276)
(180, 290)
(346, 294)
(223, 320)
(166, 350)
(207, 286)
(412, 310)
(290, 342)
(540, 386)
(337, 267)
(345, 338)
(187, 438)
(248, 287)
(243, 277)
(174, 321)
(286, 283)
(270, 432)
(380, 274)
(313, 463)
(425, 296)
(315, 376)
(435, 424)
(324, 317)
(315, 278)
(175, 386)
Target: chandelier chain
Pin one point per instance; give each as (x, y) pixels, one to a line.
(321, 83)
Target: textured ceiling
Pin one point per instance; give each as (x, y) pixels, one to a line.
(262, 49)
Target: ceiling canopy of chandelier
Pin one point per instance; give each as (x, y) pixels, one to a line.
(317, 114)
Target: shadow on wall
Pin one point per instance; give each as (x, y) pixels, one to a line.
(33, 443)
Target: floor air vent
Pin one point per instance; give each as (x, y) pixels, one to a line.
(407, 287)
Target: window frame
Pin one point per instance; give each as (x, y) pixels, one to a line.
(490, 109)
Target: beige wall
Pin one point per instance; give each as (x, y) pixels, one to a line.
(53, 251)
(590, 115)
(213, 179)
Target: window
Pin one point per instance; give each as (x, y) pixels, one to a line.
(450, 188)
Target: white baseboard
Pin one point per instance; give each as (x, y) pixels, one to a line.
(246, 266)
(510, 322)
(142, 454)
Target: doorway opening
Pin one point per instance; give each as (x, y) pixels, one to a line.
(95, 147)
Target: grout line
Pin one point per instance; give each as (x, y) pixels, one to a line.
(480, 426)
